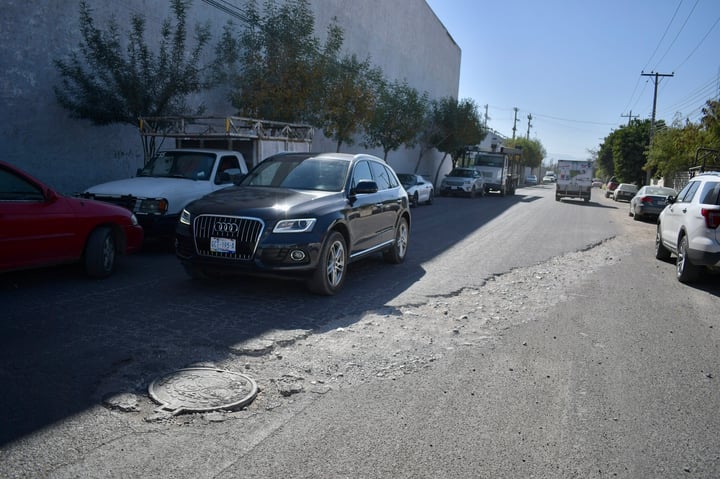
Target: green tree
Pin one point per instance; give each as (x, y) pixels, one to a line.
(107, 84)
(275, 66)
(629, 145)
(533, 152)
(350, 98)
(397, 117)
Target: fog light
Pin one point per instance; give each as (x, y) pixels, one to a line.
(297, 255)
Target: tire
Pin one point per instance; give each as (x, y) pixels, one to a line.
(557, 198)
(100, 253)
(473, 192)
(415, 199)
(686, 271)
(430, 198)
(396, 254)
(661, 252)
(329, 275)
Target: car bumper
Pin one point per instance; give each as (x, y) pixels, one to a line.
(648, 210)
(134, 236)
(622, 197)
(158, 225)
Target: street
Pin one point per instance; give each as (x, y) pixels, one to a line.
(522, 337)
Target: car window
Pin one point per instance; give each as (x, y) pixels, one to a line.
(710, 193)
(16, 188)
(381, 176)
(688, 193)
(360, 173)
(228, 162)
(394, 182)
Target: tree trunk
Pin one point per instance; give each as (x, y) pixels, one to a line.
(437, 173)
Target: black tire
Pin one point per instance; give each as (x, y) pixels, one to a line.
(661, 252)
(415, 199)
(100, 253)
(430, 198)
(473, 192)
(557, 198)
(396, 254)
(686, 271)
(329, 275)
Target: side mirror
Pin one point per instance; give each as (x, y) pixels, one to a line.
(365, 187)
(671, 199)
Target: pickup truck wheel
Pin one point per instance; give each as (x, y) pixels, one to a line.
(397, 252)
(100, 253)
(329, 275)
(686, 271)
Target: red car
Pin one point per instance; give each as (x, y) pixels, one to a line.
(40, 227)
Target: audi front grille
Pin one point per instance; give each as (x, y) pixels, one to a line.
(243, 230)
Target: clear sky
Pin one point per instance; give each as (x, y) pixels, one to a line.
(575, 65)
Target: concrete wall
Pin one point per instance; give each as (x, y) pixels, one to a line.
(404, 38)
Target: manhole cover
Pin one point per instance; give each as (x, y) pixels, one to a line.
(202, 389)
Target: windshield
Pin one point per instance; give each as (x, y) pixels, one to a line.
(406, 180)
(180, 164)
(462, 173)
(489, 160)
(660, 191)
(300, 173)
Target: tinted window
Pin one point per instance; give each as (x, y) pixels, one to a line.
(710, 193)
(13, 187)
(360, 173)
(381, 176)
(687, 193)
(394, 183)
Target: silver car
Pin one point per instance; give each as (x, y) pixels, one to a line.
(464, 181)
(650, 201)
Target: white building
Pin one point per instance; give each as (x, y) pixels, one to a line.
(404, 38)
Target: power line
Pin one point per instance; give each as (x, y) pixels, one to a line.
(667, 28)
(679, 32)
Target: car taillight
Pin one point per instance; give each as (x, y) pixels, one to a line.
(646, 199)
(712, 217)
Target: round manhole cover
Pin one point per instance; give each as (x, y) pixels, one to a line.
(202, 390)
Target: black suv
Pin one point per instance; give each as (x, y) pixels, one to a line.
(303, 215)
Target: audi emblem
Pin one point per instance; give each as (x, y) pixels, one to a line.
(221, 227)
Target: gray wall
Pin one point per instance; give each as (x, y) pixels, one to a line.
(403, 37)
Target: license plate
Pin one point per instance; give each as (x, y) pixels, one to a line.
(222, 245)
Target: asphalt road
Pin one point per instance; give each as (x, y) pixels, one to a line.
(522, 338)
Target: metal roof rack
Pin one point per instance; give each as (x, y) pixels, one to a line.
(701, 164)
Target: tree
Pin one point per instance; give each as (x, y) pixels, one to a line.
(629, 145)
(350, 99)
(533, 151)
(397, 117)
(105, 85)
(275, 67)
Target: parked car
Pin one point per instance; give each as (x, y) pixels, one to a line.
(625, 192)
(610, 186)
(531, 180)
(650, 201)
(419, 190)
(299, 215)
(597, 183)
(688, 227)
(41, 227)
(464, 181)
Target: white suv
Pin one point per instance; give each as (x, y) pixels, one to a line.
(688, 227)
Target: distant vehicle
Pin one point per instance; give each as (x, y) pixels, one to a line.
(463, 181)
(501, 170)
(549, 177)
(650, 201)
(41, 227)
(688, 227)
(610, 186)
(298, 215)
(531, 180)
(171, 180)
(624, 192)
(597, 183)
(574, 179)
(420, 190)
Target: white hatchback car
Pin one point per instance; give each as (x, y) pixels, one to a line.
(688, 227)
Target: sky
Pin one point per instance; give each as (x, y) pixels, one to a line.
(575, 66)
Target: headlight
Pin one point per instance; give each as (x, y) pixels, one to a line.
(302, 225)
(133, 220)
(185, 217)
(154, 206)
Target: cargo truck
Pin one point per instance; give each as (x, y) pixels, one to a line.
(574, 179)
(500, 169)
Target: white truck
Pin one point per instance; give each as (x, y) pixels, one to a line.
(168, 182)
(574, 179)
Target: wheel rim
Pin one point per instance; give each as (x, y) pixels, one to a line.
(402, 239)
(335, 267)
(108, 253)
(681, 256)
(658, 240)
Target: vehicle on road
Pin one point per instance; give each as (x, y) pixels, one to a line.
(531, 180)
(549, 177)
(41, 227)
(597, 183)
(501, 169)
(463, 181)
(624, 192)
(688, 227)
(169, 181)
(610, 186)
(300, 215)
(574, 180)
(419, 190)
(650, 201)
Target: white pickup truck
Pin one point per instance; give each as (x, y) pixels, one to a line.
(171, 180)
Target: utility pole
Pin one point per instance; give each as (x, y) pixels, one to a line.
(529, 117)
(515, 122)
(630, 117)
(652, 121)
(486, 116)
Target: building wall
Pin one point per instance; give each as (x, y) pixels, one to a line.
(404, 38)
